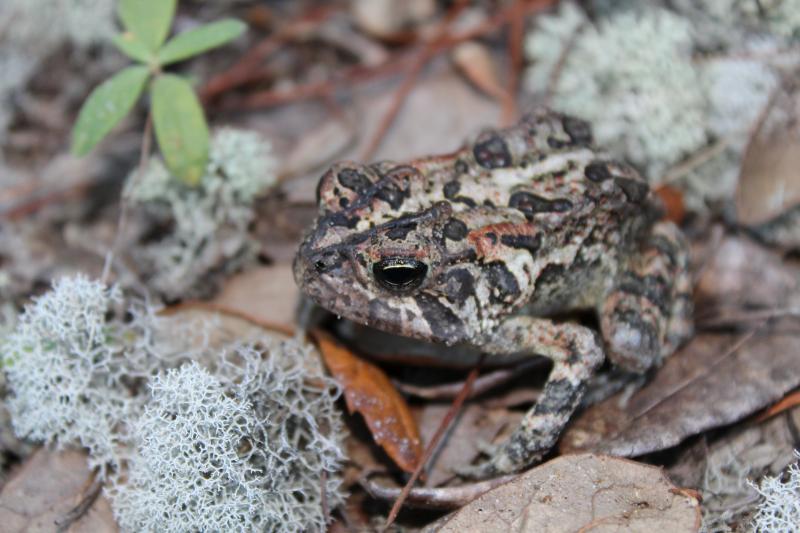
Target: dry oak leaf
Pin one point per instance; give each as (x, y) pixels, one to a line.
(586, 493)
(267, 294)
(769, 183)
(368, 390)
(718, 378)
(44, 491)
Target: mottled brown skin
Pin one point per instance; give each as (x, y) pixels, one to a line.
(483, 245)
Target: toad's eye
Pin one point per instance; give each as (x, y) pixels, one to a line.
(399, 274)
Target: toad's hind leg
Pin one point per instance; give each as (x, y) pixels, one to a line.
(576, 354)
(648, 312)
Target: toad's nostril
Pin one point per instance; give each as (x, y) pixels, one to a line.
(326, 261)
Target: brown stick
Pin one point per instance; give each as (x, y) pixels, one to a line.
(247, 68)
(484, 383)
(123, 202)
(436, 497)
(425, 55)
(443, 427)
(515, 37)
(87, 500)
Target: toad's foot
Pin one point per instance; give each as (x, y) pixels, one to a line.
(576, 354)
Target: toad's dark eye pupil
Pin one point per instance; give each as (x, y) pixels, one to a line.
(399, 274)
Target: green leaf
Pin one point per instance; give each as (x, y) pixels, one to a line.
(148, 20)
(128, 44)
(181, 127)
(197, 40)
(106, 106)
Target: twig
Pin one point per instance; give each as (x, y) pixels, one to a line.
(429, 449)
(436, 497)
(246, 69)
(743, 316)
(695, 160)
(319, 89)
(359, 73)
(89, 497)
(787, 402)
(515, 37)
(123, 208)
(400, 95)
(484, 383)
(561, 61)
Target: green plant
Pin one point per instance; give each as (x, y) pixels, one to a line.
(180, 124)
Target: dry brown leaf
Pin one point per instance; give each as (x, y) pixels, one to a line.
(769, 181)
(581, 493)
(475, 425)
(319, 147)
(673, 203)
(45, 489)
(266, 294)
(718, 378)
(368, 390)
(742, 280)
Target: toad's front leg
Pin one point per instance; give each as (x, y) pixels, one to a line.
(576, 353)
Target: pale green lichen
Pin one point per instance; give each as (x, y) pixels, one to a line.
(631, 74)
(44, 24)
(210, 222)
(779, 508)
(190, 436)
(64, 365)
(243, 449)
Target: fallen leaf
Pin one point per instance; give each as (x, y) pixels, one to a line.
(672, 199)
(769, 183)
(718, 378)
(720, 469)
(319, 147)
(581, 493)
(368, 391)
(743, 277)
(45, 489)
(474, 425)
(266, 294)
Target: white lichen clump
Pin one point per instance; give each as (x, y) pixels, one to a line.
(192, 433)
(778, 17)
(48, 23)
(779, 508)
(631, 74)
(63, 364)
(210, 222)
(242, 450)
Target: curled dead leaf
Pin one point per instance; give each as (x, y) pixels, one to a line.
(584, 492)
(369, 391)
(673, 203)
(45, 491)
(718, 378)
(266, 294)
(769, 182)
